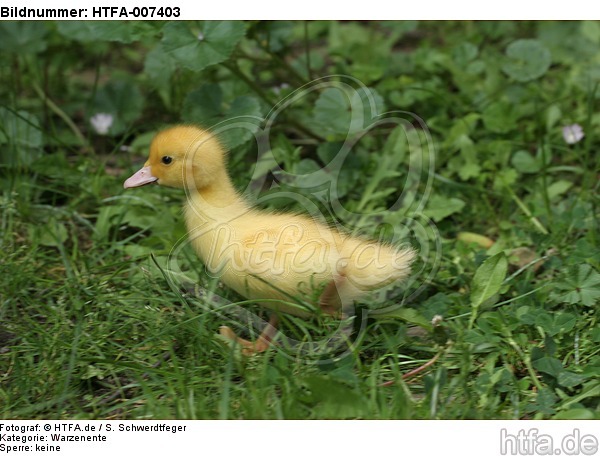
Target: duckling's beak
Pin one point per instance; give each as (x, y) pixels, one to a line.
(142, 177)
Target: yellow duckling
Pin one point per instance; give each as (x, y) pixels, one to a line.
(264, 255)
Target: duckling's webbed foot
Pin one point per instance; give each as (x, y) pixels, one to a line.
(263, 342)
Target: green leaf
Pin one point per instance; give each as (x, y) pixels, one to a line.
(23, 37)
(333, 398)
(500, 117)
(558, 188)
(407, 314)
(458, 135)
(570, 379)
(591, 30)
(332, 111)
(506, 177)
(439, 207)
(20, 138)
(204, 105)
(347, 112)
(234, 123)
(488, 278)
(545, 321)
(277, 35)
(159, 66)
(121, 99)
(94, 31)
(106, 220)
(544, 402)
(553, 115)
(588, 281)
(583, 287)
(344, 37)
(487, 281)
(464, 53)
(328, 151)
(524, 162)
(308, 174)
(141, 144)
(548, 365)
(468, 170)
(526, 60)
(564, 322)
(526, 315)
(306, 166)
(51, 234)
(93, 371)
(591, 389)
(556, 323)
(198, 45)
(575, 414)
(397, 144)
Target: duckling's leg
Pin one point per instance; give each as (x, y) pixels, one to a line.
(261, 344)
(331, 300)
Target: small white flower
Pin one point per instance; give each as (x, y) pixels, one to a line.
(437, 320)
(200, 36)
(101, 122)
(573, 133)
(277, 89)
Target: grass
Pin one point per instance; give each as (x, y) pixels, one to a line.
(92, 324)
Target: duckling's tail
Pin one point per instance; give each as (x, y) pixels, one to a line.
(372, 265)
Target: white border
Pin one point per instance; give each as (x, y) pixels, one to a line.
(361, 438)
(350, 10)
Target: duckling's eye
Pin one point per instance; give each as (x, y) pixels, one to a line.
(167, 160)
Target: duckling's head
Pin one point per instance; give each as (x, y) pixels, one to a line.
(184, 157)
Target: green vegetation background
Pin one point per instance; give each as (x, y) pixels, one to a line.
(91, 328)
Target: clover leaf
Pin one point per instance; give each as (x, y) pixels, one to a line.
(526, 60)
(197, 45)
